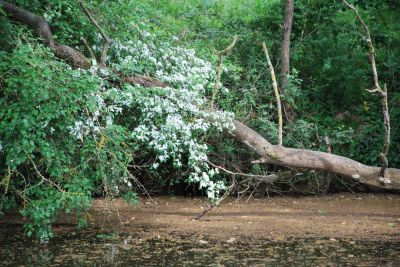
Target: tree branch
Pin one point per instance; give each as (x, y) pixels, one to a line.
(44, 178)
(377, 89)
(369, 42)
(316, 160)
(214, 205)
(276, 91)
(264, 178)
(42, 29)
(260, 178)
(221, 55)
(107, 40)
(84, 41)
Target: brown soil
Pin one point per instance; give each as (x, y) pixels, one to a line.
(337, 230)
(362, 216)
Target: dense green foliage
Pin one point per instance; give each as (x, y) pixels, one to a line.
(329, 55)
(67, 135)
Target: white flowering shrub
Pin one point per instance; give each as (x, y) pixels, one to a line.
(171, 124)
(168, 122)
(176, 66)
(68, 134)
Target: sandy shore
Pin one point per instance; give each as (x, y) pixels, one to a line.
(361, 216)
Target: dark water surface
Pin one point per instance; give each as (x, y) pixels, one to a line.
(91, 248)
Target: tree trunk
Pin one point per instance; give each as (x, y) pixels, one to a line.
(42, 29)
(315, 160)
(285, 56)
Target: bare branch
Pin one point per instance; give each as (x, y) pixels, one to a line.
(229, 48)
(373, 91)
(264, 178)
(277, 96)
(214, 205)
(107, 40)
(221, 55)
(377, 89)
(44, 178)
(369, 42)
(84, 41)
(260, 178)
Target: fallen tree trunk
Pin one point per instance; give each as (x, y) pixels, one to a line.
(316, 160)
(70, 55)
(272, 154)
(42, 29)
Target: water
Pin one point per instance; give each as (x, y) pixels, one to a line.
(94, 248)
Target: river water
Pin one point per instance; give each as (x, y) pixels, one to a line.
(97, 248)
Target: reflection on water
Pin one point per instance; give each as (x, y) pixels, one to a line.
(95, 249)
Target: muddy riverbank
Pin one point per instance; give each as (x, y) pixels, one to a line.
(343, 229)
(362, 216)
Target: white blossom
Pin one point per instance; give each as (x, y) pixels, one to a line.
(169, 121)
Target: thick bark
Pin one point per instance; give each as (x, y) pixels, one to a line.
(285, 56)
(321, 161)
(42, 29)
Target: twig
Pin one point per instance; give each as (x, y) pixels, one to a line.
(221, 55)
(265, 178)
(44, 178)
(377, 89)
(277, 96)
(107, 40)
(213, 205)
(252, 192)
(88, 48)
(139, 184)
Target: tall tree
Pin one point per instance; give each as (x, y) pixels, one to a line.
(285, 56)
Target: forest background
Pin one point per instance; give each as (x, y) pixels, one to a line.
(68, 135)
